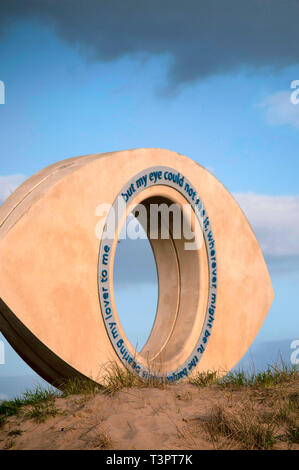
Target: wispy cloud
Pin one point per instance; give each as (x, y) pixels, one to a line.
(275, 221)
(8, 184)
(280, 110)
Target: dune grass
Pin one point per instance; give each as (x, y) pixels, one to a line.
(245, 427)
(271, 376)
(41, 411)
(116, 378)
(204, 379)
(39, 404)
(260, 418)
(247, 424)
(29, 397)
(78, 386)
(266, 412)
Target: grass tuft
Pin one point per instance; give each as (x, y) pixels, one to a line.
(273, 375)
(116, 378)
(204, 379)
(244, 427)
(79, 386)
(292, 434)
(41, 411)
(13, 407)
(103, 440)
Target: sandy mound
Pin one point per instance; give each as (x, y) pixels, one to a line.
(179, 417)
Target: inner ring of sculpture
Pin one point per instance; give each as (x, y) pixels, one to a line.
(187, 295)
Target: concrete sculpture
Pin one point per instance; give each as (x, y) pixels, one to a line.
(57, 305)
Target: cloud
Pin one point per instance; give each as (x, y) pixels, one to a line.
(280, 110)
(275, 221)
(8, 184)
(201, 38)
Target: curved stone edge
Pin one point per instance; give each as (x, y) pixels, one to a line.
(46, 364)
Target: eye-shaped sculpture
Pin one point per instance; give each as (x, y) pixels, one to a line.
(57, 250)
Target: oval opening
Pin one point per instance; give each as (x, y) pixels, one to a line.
(135, 283)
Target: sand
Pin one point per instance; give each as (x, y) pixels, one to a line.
(149, 418)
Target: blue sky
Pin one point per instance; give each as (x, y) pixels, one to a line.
(64, 98)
